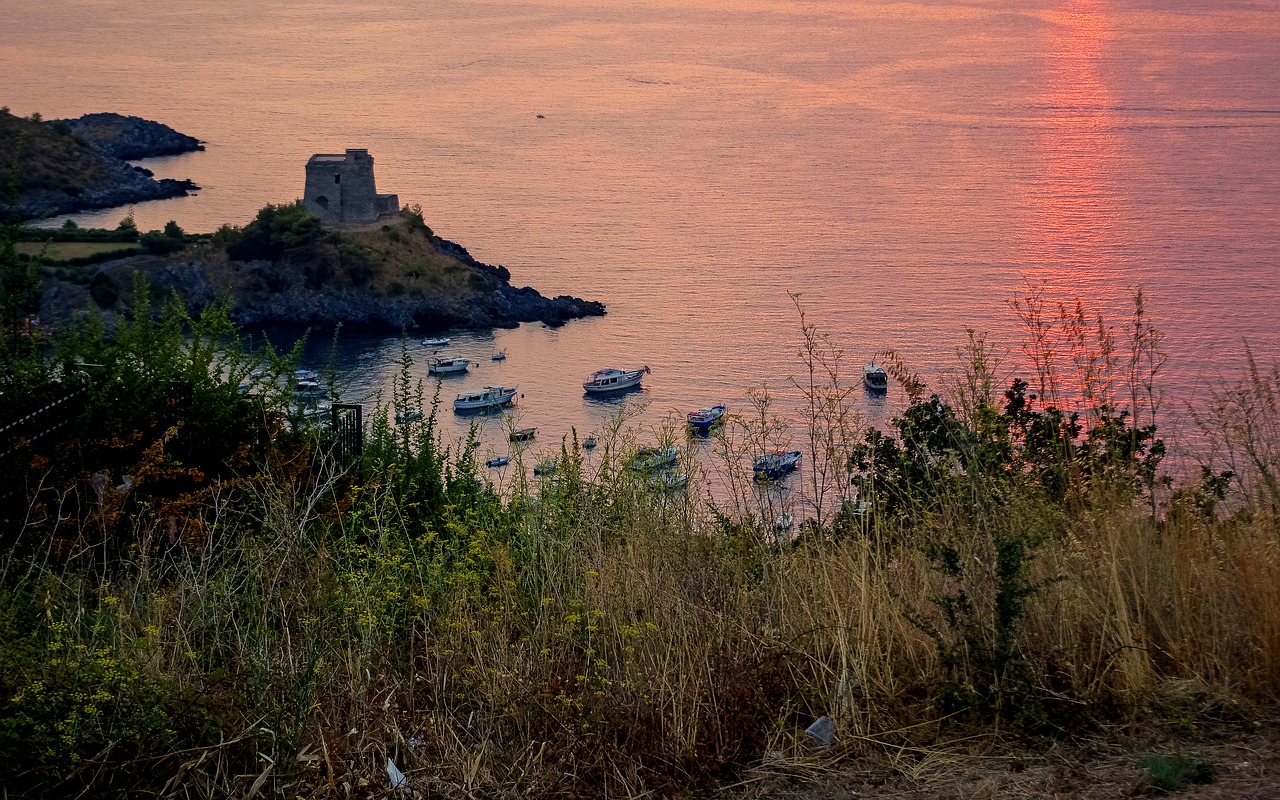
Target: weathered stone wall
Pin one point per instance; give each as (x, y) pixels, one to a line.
(340, 188)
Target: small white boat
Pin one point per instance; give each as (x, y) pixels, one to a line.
(488, 397)
(589, 443)
(501, 355)
(498, 461)
(668, 481)
(440, 341)
(522, 434)
(447, 366)
(703, 419)
(875, 378)
(308, 385)
(612, 380)
(408, 416)
(775, 465)
(648, 459)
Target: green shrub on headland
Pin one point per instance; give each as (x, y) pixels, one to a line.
(200, 588)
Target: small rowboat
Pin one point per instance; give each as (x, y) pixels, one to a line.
(522, 434)
(498, 461)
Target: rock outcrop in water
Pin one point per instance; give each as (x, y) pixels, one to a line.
(66, 166)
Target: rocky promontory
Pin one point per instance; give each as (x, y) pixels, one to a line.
(284, 268)
(66, 166)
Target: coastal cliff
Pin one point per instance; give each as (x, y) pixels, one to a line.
(66, 166)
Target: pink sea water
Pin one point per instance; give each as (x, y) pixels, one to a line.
(907, 168)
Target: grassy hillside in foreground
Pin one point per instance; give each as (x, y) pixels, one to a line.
(195, 591)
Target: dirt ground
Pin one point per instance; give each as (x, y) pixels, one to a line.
(1244, 758)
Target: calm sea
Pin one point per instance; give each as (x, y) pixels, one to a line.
(907, 168)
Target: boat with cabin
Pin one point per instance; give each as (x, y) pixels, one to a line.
(487, 397)
(704, 419)
(612, 380)
(447, 366)
(307, 385)
(776, 464)
(438, 341)
(874, 378)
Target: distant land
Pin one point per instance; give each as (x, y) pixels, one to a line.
(284, 267)
(66, 166)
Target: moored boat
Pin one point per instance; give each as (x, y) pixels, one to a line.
(589, 443)
(411, 415)
(498, 461)
(647, 459)
(501, 355)
(703, 419)
(777, 464)
(488, 397)
(547, 466)
(875, 378)
(668, 481)
(447, 366)
(522, 434)
(439, 341)
(612, 380)
(307, 385)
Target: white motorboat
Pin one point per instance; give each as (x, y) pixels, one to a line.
(488, 397)
(875, 378)
(308, 385)
(447, 366)
(612, 380)
(412, 415)
(775, 465)
(501, 355)
(439, 341)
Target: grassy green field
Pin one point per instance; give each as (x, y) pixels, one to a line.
(61, 251)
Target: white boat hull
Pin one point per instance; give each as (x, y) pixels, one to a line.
(613, 380)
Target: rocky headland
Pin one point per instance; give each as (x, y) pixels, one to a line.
(70, 165)
(392, 276)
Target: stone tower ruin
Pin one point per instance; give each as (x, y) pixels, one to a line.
(340, 189)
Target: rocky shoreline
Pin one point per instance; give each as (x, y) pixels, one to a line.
(200, 281)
